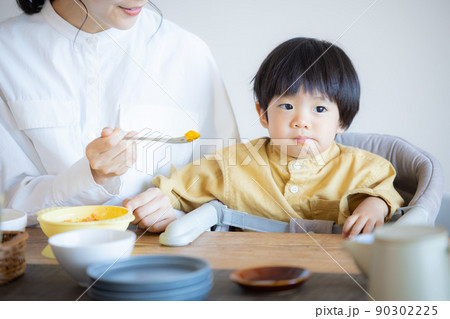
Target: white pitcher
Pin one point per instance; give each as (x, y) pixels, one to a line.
(404, 262)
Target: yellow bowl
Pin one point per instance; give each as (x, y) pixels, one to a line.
(56, 220)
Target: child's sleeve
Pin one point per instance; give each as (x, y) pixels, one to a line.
(193, 185)
(379, 183)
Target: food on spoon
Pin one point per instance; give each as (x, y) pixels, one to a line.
(191, 136)
(90, 218)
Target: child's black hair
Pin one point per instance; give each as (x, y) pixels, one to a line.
(315, 65)
(31, 6)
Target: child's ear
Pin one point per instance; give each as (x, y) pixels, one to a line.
(341, 129)
(262, 116)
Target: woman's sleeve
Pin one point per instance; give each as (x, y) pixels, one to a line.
(29, 188)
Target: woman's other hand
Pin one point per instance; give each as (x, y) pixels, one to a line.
(152, 209)
(110, 155)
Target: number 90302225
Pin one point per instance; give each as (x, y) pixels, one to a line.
(406, 310)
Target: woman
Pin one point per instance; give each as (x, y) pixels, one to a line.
(71, 68)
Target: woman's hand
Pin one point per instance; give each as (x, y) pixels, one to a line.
(109, 155)
(369, 214)
(152, 210)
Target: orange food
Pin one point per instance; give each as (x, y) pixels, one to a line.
(192, 135)
(90, 218)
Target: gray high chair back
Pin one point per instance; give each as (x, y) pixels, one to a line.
(419, 180)
(420, 176)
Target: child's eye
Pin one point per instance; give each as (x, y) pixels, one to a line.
(320, 109)
(287, 106)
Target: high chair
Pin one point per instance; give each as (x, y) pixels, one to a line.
(419, 180)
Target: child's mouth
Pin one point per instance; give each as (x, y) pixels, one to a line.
(302, 140)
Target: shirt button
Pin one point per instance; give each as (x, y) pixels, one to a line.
(92, 40)
(92, 136)
(294, 189)
(92, 80)
(297, 165)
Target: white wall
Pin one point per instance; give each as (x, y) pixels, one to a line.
(8, 8)
(400, 48)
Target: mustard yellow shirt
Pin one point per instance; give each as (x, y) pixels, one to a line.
(254, 178)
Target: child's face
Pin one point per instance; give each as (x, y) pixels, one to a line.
(302, 120)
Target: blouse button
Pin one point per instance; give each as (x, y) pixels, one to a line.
(92, 40)
(294, 189)
(297, 165)
(92, 136)
(92, 80)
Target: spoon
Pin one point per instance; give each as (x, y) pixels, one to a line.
(188, 137)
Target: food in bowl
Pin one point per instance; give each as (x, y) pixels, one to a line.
(56, 220)
(90, 218)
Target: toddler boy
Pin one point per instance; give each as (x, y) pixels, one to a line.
(307, 91)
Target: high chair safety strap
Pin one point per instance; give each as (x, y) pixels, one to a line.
(187, 228)
(229, 217)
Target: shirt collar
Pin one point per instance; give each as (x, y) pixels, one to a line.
(317, 160)
(70, 32)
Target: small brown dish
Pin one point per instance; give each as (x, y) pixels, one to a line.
(270, 278)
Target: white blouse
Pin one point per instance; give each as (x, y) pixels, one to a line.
(59, 87)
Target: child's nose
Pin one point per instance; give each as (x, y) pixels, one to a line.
(301, 120)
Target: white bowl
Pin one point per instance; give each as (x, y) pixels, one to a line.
(77, 249)
(12, 220)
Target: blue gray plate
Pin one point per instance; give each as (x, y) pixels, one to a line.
(198, 291)
(154, 273)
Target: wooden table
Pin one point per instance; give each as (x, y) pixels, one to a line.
(322, 254)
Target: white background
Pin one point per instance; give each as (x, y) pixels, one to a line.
(400, 48)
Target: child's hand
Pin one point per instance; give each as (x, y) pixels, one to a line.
(369, 214)
(152, 210)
